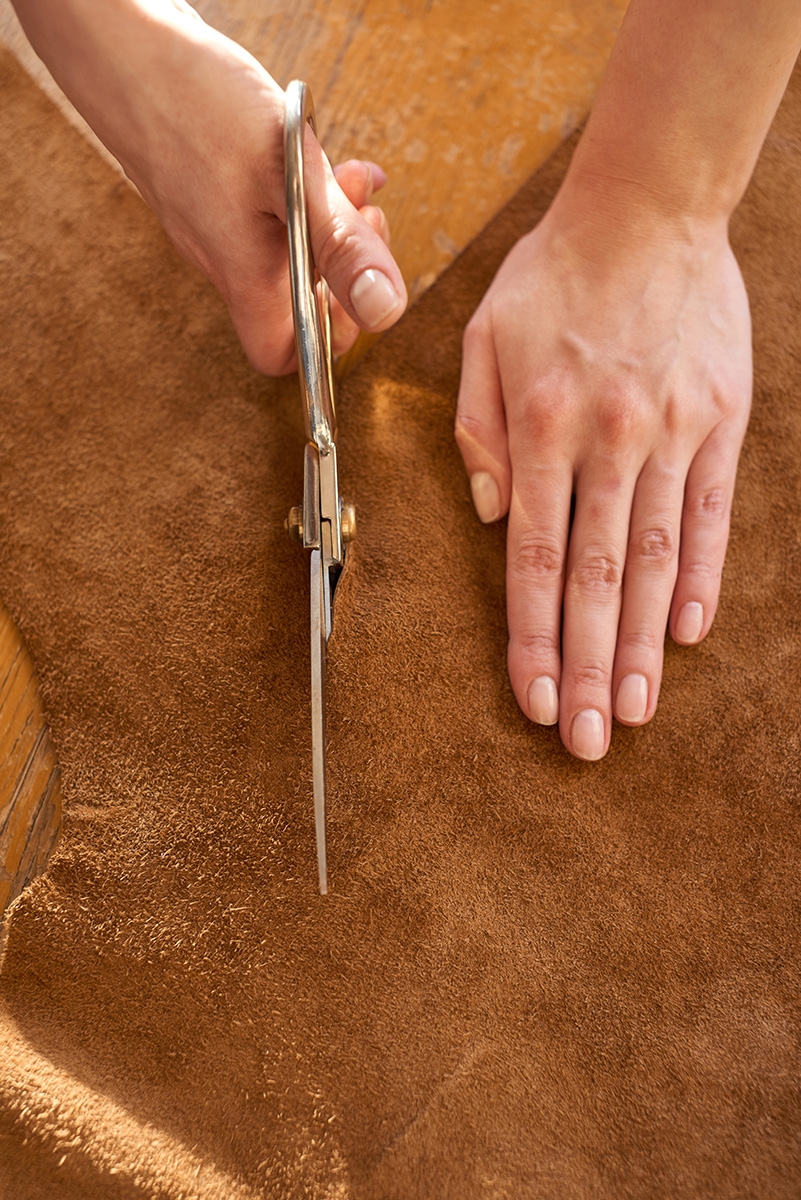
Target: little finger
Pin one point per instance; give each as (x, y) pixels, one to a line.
(704, 535)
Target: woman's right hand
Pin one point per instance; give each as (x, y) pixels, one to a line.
(197, 124)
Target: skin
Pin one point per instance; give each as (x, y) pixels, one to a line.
(197, 124)
(610, 361)
(609, 364)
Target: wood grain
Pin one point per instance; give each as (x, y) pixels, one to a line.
(30, 792)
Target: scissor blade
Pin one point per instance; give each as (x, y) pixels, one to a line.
(319, 578)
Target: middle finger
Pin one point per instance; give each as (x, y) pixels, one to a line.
(592, 600)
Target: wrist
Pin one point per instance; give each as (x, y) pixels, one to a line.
(668, 184)
(606, 216)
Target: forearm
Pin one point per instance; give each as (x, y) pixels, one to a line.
(104, 54)
(67, 33)
(688, 97)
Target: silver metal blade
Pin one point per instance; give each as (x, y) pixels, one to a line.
(319, 580)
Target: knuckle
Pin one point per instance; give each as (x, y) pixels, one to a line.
(702, 571)
(709, 503)
(590, 677)
(546, 413)
(596, 574)
(617, 418)
(338, 244)
(653, 547)
(537, 556)
(644, 639)
(536, 644)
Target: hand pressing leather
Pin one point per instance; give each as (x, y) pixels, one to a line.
(610, 361)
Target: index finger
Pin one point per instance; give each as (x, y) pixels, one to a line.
(539, 518)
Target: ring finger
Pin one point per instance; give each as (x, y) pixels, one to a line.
(649, 579)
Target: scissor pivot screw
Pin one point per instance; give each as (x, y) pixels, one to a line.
(294, 524)
(348, 522)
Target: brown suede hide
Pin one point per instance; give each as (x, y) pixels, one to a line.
(533, 977)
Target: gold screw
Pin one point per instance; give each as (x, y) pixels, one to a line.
(348, 523)
(294, 524)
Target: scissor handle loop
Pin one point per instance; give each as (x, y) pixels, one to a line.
(312, 332)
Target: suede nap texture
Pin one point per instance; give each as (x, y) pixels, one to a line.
(533, 977)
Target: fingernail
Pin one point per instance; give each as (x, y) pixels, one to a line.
(690, 622)
(543, 701)
(378, 175)
(374, 298)
(587, 734)
(486, 496)
(632, 698)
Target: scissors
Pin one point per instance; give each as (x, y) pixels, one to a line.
(322, 524)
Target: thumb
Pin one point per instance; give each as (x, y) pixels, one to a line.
(481, 424)
(350, 255)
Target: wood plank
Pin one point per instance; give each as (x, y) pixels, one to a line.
(30, 790)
